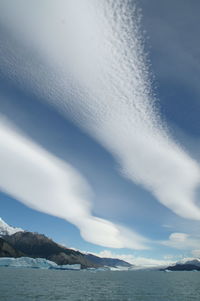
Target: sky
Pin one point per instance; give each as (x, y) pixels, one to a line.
(99, 125)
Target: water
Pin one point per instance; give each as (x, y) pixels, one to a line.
(39, 285)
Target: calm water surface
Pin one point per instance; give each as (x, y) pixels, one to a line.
(45, 285)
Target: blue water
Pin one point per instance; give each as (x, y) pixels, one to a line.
(45, 285)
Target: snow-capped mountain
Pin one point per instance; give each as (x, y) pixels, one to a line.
(5, 229)
(186, 264)
(192, 261)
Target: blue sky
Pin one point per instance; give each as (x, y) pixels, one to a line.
(100, 117)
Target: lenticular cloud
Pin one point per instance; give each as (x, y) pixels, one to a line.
(43, 182)
(99, 78)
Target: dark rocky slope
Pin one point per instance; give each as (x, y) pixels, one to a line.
(7, 250)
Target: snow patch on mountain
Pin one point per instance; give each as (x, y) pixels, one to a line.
(6, 229)
(193, 261)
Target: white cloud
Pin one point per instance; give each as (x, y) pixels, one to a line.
(45, 183)
(182, 241)
(101, 81)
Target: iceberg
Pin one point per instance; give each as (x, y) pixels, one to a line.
(35, 263)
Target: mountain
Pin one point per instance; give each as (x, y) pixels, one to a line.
(188, 264)
(34, 245)
(39, 246)
(111, 262)
(5, 229)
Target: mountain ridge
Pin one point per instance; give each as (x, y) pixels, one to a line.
(188, 264)
(35, 245)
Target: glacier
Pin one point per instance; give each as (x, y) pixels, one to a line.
(35, 263)
(42, 263)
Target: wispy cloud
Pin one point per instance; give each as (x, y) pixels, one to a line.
(43, 182)
(101, 81)
(183, 241)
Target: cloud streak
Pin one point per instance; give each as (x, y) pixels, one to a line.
(183, 241)
(101, 81)
(43, 182)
